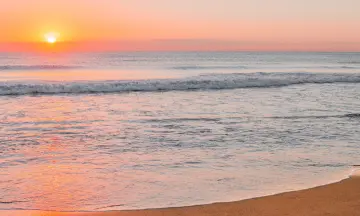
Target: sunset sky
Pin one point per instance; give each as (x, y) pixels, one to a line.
(182, 25)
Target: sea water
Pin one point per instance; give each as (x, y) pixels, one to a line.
(111, 131)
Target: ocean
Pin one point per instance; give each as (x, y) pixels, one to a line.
(114, 131)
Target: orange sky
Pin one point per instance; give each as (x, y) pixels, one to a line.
(85, 25)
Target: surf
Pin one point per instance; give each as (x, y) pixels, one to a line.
(201, 82)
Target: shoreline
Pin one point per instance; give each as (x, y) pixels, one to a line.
(338, 199)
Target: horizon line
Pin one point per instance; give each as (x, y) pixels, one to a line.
(157, 45)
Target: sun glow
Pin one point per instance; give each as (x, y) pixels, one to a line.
(51, 38)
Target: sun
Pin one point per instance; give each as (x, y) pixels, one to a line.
(51, 38)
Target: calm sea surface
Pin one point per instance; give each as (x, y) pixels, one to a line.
(109, 131)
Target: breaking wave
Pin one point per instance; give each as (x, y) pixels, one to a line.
(351, 115)
(218, 67)
(350, 62)
(203, 82)
(35, 67)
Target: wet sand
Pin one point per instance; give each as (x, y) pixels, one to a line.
(338, 199)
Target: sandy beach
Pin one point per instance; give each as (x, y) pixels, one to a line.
(179, 108)
(337, 199)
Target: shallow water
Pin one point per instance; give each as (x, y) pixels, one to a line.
(92, 150)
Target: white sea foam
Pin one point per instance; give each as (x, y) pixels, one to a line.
(217, 67)
(35, 67)
(203, 82)
(355, 172)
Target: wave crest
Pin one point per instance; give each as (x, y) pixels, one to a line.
(217, 67)
(351, 115)
(204, 82)
(35, 67)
